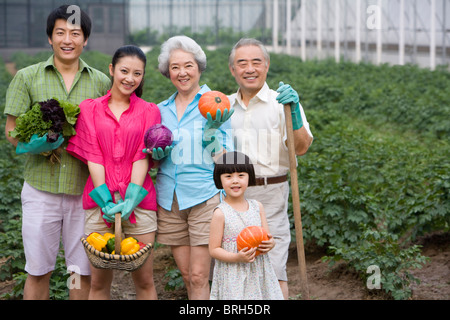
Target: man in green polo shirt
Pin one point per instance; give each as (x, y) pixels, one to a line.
(51, 195)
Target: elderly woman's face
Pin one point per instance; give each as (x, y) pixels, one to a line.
(184, 71)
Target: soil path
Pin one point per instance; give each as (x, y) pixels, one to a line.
(338, 283)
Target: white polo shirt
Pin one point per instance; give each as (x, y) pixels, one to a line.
(259, 131)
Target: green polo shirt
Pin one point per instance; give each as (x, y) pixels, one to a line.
(41, 82)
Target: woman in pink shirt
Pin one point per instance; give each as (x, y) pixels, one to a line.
(110, 140)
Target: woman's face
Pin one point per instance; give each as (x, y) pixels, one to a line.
(184, 71)
(128, 74)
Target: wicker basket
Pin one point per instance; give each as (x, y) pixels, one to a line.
(104, 260)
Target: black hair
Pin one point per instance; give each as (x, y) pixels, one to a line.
(231, 162)
(61, 13)
(130, 51)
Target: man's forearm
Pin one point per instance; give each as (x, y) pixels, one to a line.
(10, 126)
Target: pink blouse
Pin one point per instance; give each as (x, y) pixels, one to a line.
(114, 144)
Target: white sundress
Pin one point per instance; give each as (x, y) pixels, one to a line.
(243, 281)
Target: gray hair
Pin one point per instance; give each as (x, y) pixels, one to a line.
(248, 42)
(184, 43)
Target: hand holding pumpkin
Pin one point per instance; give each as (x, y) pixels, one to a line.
(219, 118)
(255, 237)
(213, 101)
(267, 245)
(246, 255)
(215, 107)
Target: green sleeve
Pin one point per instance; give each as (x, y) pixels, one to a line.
(18, 100)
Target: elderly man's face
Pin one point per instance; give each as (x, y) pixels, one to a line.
(250, 68)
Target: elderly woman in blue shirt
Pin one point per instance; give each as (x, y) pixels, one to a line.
(186, 192)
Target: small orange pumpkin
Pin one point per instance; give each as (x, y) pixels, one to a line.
(251, 237)
(211, 101)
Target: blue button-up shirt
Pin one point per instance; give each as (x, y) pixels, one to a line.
(188, 170)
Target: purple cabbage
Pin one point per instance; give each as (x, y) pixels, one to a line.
(157, 136)
(52, 111)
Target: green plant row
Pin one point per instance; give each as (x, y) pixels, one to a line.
(406, 97)
(207, 36)
(376, 177)
(367, 194)
(356, 174)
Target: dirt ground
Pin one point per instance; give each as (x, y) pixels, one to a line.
(338, 283)
(324, 283)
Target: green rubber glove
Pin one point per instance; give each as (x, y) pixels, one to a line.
(133, 196)
(38, 145)
(287, 95)
(102, 197)
(210, 141)
(219, 119)
(158, 153)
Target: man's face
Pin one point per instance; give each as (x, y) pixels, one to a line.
(250, 68)
(67, 41)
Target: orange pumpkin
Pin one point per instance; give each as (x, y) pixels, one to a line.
(251, 237)
(211, 101)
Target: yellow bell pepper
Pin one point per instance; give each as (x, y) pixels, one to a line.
(96, 240)
(134, 249)
(129, 246)
(108, 236)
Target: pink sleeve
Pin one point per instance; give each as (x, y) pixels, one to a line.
(152, 117)
(84, 145)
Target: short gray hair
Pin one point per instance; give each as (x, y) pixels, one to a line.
(184, 43)
(248, 42)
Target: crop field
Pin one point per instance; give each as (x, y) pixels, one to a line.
(376, 178)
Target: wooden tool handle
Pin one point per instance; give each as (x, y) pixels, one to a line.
(296, 202)
(118, 232)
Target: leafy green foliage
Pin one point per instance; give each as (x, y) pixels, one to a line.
(206, 36)
(376, 176)
(34, 122)
(354, 174)
(381, 249)
(175, 280)
(58, 282)
(30, 123)
(12, 249)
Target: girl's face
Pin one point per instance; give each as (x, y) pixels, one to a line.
(184, 71)
(128, 74)
(234, 183)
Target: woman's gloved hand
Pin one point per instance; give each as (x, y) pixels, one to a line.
(102, 197)
(158, 153)
(209, 139)
(219, 119)
(133, 196)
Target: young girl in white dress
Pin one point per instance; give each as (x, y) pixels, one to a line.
(239, 275)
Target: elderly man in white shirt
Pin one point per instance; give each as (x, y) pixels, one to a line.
(259, 130)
